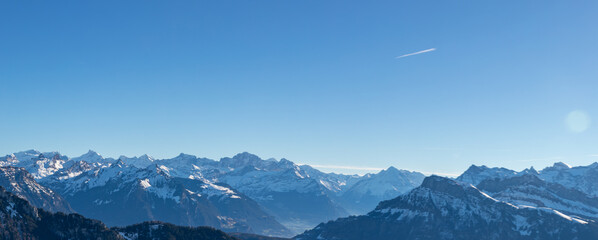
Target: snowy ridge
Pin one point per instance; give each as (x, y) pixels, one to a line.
(442, 208)
(388, 183)
(530, 190)
(21, 183)
(305, 195)
(38, 164)
(92, 157)
(228, 170)
(582, 178)
(476, 174)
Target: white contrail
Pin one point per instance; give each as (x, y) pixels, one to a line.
(415, 53)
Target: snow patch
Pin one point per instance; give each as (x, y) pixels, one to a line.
(11, 210)
(145, 183)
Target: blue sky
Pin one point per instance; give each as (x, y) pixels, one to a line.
(317, 82)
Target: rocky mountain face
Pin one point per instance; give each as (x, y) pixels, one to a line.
(21, 183)
(20, 220)
(442, 208)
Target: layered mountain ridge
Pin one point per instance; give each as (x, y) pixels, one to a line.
(442, 208)
(247, 194)
(21, 183)
(20, 220)
(243, 193)
(558, 202)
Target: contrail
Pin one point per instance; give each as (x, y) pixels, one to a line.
(415, 53)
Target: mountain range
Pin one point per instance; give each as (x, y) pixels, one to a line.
(252, 198)
(443, 208)
(558, 202)
(243, 193)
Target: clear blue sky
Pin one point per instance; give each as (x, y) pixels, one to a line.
(316, 82)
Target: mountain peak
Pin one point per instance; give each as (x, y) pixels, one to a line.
(476, 168)
(432, 182)
(184, 156)
(244, 159)
(286, 162)
(91, 152)
(530, 171)
(91, 155)
(31, 152)
(450, 187)
(119, 163)
(475, 174)
(246, 156)
(561, 165)
(439, 186)
(392, 169)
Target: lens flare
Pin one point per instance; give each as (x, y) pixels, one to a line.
(577, 121)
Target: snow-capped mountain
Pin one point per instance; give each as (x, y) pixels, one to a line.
(572, 190)
(442, 208)
(336, 183)
(246, 159)
(283, 188)
(529, 190)
(122, 194)
(38, 164)
(92, 157)
(142, 161)
(298, 196)
(364, 195)
(582, 178)
(21, 183)
(189, 166)
(476, 174)
(72, 169)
